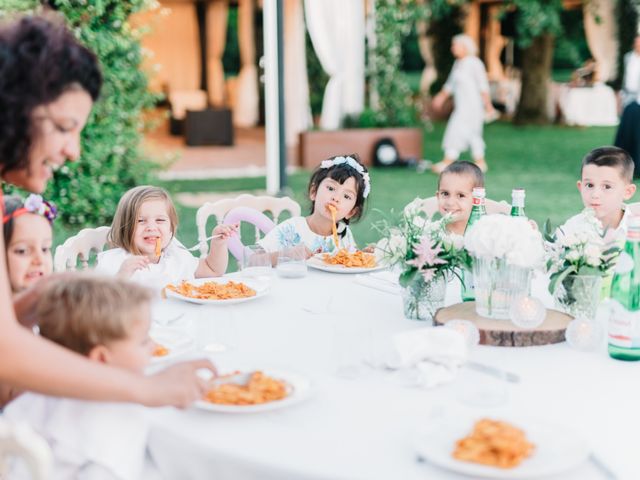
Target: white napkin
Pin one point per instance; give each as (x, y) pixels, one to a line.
(107, 437)
(435, 352)
(383, 280)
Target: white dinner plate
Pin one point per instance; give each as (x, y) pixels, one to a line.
(261, 287)
(177, 341)
(318, 263)
(298, 386)
(557, 449)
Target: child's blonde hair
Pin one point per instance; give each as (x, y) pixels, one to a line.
(83, 310)
(126, 218)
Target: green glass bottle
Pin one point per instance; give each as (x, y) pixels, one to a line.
(624, 322)
(517, 202)
(477, 211)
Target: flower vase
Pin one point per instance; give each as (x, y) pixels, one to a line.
(579, 295)
(497, 285)
(422, 299)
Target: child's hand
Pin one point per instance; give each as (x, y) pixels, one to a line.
(371, 248)
(225, 232)
(534, 225)
(132, 265)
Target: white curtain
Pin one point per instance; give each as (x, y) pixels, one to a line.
(246, 108)
(217, 15)
(296, 82)
(336, 28)
(602, 37)
(429, 72)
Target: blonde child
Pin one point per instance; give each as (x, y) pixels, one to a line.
(28, 237)
(605, 185)
(454, 194)
(106, 320)
(341, 183)
(145, 248)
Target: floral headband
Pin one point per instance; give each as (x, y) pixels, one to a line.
(34, 204)
(353, 163)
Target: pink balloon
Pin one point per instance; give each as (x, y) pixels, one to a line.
(249, 215)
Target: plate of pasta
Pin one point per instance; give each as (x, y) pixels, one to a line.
(344, 261)
(255, 391)
(502, 449)
(217, 291)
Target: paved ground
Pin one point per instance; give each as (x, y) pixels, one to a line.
(245, 158)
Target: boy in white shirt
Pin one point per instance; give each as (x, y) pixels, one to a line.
(605, 185)
(107, 320)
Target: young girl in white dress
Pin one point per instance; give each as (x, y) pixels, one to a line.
(341, 184)
(145, 248)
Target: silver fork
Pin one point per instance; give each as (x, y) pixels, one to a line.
(197, 246)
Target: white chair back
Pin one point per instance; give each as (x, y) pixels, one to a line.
(275, 205)
(430, 206)
(18, 440)
(79, 247)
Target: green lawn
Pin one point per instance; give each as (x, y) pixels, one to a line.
(543, 160)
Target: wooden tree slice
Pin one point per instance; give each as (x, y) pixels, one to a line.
(503, 333)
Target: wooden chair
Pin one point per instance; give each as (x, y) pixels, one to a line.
(430, 206)
(79, 247)
(275, 205)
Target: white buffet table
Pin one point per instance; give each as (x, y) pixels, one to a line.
(365, 428)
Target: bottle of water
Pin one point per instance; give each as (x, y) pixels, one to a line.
(477, 211)
(624, 322)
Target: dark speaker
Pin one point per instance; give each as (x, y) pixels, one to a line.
(213, 126)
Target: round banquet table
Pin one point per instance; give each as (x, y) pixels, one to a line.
(366, 427)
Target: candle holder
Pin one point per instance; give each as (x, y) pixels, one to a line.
(584, 335)
(527, 312)
(497, 285)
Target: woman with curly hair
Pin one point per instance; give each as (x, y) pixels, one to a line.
(48, 83)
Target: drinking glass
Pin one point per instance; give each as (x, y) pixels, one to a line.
(256, 262)
(292, 262)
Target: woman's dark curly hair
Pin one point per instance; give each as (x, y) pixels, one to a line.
(40, 59)
(340, 173)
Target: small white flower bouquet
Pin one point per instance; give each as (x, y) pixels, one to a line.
(512, 239)
(421, 247)
(504, 249)
(578, 248)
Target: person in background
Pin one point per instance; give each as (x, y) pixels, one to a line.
(469, 87)
(628, 133)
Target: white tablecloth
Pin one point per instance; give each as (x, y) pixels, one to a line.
(589, 106)
(365, 428)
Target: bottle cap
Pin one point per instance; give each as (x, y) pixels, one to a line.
(518, 192)
(479, 192)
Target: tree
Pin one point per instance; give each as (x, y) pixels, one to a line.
(537, 24)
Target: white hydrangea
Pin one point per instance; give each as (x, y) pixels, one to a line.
(502, 236)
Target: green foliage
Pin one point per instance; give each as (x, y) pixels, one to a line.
(318, 78)
(445, 24)
(395, 104)
(571, 49)
(231, 55)
(535, 18)
(87, 192)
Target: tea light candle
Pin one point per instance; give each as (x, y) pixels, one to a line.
(583, 334)
(468, 330)
(527, 312)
